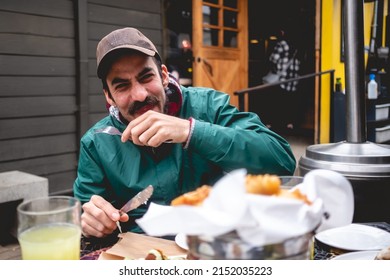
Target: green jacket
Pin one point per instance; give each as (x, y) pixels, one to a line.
(223, 139)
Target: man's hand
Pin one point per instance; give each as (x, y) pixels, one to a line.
(99, 217)
(153, 128)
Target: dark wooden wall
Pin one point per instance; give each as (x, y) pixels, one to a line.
(49, 91)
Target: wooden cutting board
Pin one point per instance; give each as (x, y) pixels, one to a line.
(136, 246)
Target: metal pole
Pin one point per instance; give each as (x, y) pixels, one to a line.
(354, 71)
(332, 97)
(374, 28)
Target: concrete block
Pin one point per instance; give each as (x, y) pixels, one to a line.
(15, 185)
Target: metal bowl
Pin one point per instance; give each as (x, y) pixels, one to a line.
(290, 181)
(230, 247)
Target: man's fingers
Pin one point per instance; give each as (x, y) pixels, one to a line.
(152, 129)
(91, 226)
(99, 217)
(124, 218)
(88, 230)
(126, 135)
(107, 208)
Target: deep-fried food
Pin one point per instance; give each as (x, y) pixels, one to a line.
(271, 185)
(295, 193)
(263, 184)
(195, 197)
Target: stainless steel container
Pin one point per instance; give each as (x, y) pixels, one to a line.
(231, 247)
(366, 166)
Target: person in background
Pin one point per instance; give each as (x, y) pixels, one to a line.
(284, 59)
(174, 138)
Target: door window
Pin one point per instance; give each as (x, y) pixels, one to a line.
(220, 27)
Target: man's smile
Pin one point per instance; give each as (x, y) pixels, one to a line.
(144, 109)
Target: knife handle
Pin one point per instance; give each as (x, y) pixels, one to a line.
(119, 226)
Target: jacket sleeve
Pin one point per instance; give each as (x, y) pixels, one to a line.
(91, 178)
(233, 139)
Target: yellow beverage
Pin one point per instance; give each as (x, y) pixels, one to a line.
(51, 242)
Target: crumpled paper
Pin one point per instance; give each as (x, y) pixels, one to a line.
(257, 219)
(136, 246)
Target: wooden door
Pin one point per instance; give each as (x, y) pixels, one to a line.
(220, 45)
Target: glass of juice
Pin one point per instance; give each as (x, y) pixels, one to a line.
(49, 228)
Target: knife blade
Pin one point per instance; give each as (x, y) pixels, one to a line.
(137, 200)
(140, 198)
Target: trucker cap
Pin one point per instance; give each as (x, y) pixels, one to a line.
(125, 38)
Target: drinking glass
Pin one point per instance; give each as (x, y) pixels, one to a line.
(49, 228)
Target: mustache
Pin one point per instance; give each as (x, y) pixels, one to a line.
(149, 101)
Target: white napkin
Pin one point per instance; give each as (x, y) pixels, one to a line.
(337, 193)
(258, 219)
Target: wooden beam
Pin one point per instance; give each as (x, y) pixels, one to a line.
(81, 17)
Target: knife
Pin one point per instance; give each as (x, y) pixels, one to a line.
(140, 198)
(137, 200)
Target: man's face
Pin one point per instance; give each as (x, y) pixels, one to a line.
(136, 86)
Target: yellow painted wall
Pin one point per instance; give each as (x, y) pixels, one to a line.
(330, 53)
(330, 46)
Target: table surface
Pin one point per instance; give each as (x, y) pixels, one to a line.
(10, 252)
(90, 248)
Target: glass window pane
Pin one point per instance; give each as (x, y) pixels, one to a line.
(211, 1)
(210, 37)
(230, 3)
(210, 15)
(230, 39)
(230, 19)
